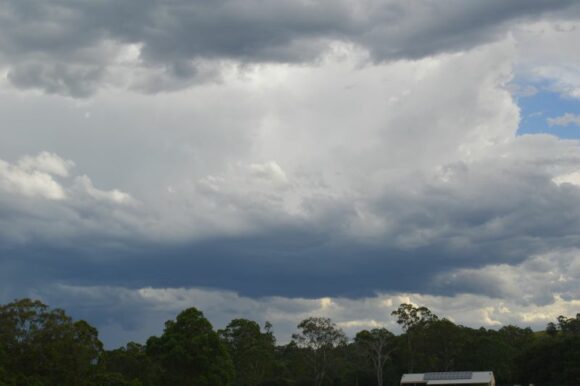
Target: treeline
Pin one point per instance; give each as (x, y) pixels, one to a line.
(40, 346)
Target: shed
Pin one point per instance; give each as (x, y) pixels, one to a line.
(456, 378)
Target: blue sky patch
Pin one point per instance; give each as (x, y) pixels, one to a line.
(538, 108)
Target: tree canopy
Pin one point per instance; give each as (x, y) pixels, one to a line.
(44, 346)
(190, 352)
(40, 346)
(319, 337)
(251, 350)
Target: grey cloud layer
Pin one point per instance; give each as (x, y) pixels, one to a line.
(342, 177)
(278, 198)
(471, 216)
(73, 48)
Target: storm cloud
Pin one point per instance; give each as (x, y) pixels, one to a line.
(76, 48)
(276, 160)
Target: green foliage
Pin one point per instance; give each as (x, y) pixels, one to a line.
(40, 346)
(251, 350)
(114, 379)
(569, 326)
(551, 329)
(438, 345)
(319, 337)
(376, 346)
(552, 361)
(129, 364)
(45, 347)
(190, 353)
(413, 320)
(409, 316)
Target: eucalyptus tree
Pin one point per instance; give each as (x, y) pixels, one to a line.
(411, 319)
(190, 353)
(252, 351)
(44, 346)
(376, 346)
(319, 337)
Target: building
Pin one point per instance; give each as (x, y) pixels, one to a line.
(459, 378)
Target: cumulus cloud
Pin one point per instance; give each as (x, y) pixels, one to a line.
(539, 280)
(47, 162)
(383, 168)
(570, 178)
(34, 176)
(84, 183)
(544, 57)
(269, 171)
(279, 192)
(42, 204)
(565, 120)
(271, 197)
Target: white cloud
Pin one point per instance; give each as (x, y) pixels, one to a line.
(546, 54)
(46, 162)
(565, 120)
(538, 281)
(523, 90)
(43, 204)
(570, 178)
(362, 162)
(85, 184)
(385, 154)
(377, 164)
(269, 171)
(33, 176)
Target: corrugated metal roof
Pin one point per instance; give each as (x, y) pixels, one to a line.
(448, 375)
(413, 378)
(449, 378)
(458, 382)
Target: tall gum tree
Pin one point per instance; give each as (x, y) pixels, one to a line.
(410, 317)
(319, 337)
(376, 345)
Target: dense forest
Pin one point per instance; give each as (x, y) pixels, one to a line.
(40, 346)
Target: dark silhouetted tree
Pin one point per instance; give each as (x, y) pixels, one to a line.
(190, 353)
(319, 337)
(412, 319)
(251, 350)
(376, 346)
(46, 347)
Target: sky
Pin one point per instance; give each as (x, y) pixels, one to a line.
(279, 160)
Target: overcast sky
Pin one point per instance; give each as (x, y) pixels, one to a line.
(278, 160)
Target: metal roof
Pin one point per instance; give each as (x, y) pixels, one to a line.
(450, 378)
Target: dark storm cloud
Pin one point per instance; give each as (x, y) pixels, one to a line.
(485, 214)
(68, 47)
(89, 255)
(259, 266)
(57, 78)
